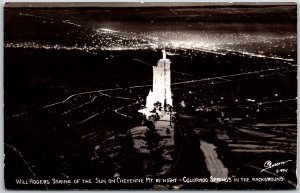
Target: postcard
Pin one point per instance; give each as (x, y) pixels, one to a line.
(150, 96)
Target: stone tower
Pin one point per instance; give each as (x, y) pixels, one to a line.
(161, 90)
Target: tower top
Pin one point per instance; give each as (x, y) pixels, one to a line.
(164, 54)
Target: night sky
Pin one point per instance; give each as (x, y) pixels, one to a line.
(267, 30)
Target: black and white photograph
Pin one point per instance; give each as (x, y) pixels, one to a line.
(150, 96)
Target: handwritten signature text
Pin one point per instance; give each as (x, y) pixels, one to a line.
(268, 164)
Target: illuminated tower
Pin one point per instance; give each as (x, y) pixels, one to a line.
(161, 90)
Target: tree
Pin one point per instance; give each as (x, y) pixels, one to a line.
(169, 108)
(157, 105)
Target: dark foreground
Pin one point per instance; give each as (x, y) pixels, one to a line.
(64, 118)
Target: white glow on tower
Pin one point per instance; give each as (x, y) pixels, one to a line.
(161, 91)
